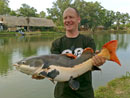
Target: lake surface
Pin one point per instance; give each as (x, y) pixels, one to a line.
(14, 84)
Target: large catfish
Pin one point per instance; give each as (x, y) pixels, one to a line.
(65, 67)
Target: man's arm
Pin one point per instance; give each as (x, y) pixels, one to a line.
(55, 47)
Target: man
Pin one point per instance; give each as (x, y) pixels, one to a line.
(73, 42)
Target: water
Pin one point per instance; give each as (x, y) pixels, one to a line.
(14, 84)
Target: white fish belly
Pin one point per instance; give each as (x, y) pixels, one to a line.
(27, 69)
(66, 72)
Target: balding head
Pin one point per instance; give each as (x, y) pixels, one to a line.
(72, 9)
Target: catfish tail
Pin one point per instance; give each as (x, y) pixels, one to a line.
(111, 47)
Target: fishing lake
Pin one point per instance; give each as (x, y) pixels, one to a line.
(14, 84)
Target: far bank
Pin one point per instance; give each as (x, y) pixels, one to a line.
(5, 33)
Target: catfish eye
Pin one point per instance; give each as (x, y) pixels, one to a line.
(23, 62)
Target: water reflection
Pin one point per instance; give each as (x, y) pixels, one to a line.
(4, 63)
(123, 40)
(13, 49)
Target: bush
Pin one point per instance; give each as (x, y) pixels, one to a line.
(59, 29)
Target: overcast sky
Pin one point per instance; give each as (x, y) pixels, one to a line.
(41, 5)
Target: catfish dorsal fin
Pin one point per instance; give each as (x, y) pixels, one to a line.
(88, 50)
(70, 55)
(111, 46)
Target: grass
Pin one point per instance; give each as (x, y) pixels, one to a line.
(5, 33)
(117, 88)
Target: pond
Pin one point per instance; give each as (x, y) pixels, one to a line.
(14, 84)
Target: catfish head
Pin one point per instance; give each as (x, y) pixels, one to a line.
(29, 65)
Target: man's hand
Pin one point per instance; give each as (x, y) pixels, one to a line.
(98, 60)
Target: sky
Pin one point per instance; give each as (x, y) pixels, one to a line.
(122, 6)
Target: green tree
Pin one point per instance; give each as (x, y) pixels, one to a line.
(42, 14)
(89, 12)
(13, 13)
(4, 9)
(125, 18)
(118, 19)
(56, 12)
(107, 19)
(27, 11)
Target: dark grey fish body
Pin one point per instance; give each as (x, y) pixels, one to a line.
(54, 59)
(40, 66)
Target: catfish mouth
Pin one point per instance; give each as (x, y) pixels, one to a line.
(16, 64)
(27, 69)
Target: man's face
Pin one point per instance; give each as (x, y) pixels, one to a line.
(70, 20)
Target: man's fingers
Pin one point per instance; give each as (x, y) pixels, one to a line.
(98, 60)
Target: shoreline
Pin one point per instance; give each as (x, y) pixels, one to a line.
(117, 88)
(5, 33)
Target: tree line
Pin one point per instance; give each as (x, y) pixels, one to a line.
(92, 14)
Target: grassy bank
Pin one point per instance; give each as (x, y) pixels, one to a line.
(117, 88)
(5, 33)
(108, 31)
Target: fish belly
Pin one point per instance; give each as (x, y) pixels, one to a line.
(65, 73)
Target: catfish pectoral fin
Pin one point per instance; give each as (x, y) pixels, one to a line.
(43, 73)
(37, 77)
(74, 84)
(53, 74)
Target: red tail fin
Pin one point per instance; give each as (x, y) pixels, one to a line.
(112, 46)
